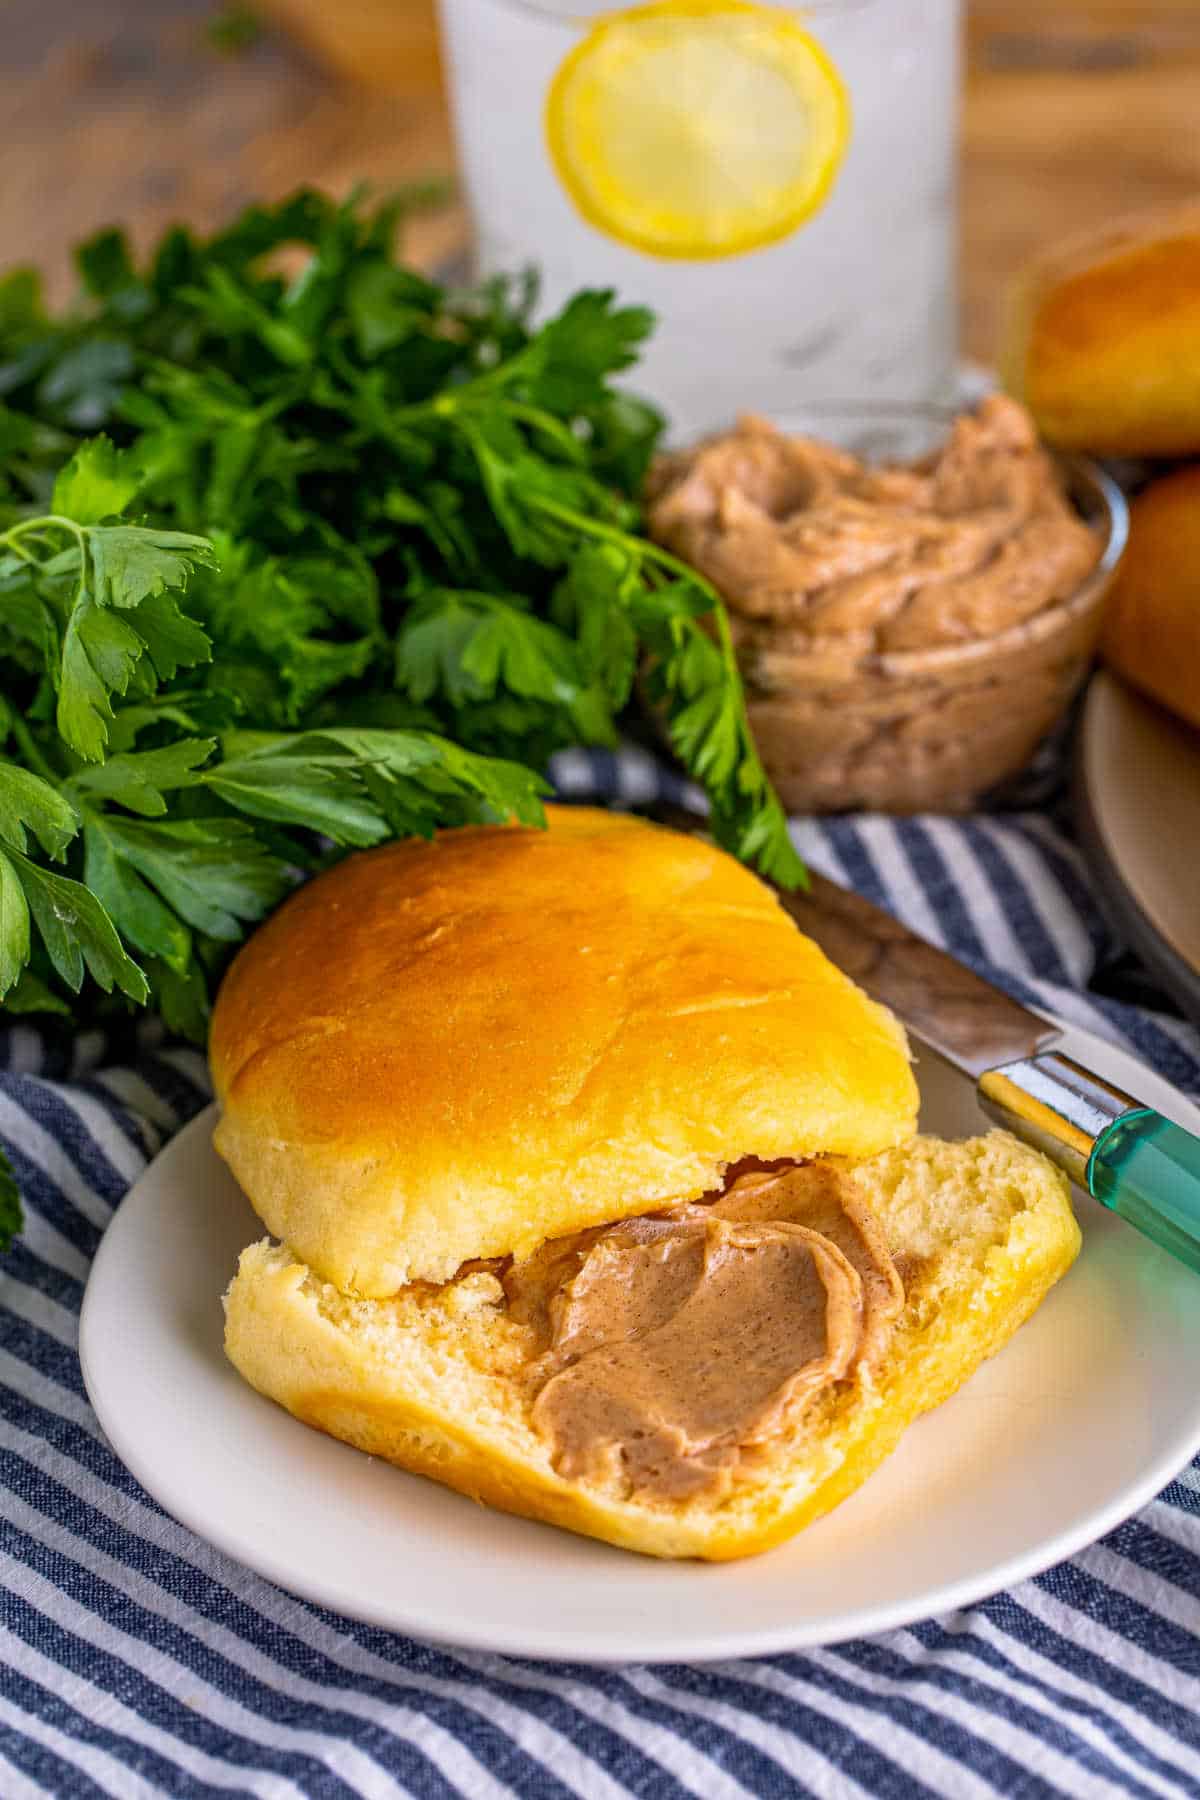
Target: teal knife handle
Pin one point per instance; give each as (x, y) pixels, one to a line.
(1135, 1162)
(1148, 1170)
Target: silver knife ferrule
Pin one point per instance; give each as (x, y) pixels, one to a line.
(1050, 1102)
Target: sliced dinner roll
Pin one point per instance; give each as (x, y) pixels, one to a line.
(437, 1379)
(458, 1049)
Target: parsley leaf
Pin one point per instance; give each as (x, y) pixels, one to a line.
(98, 482)
(99, 654)
(31, 995)
(15, 942)
(75, 929)
(214, 873)
(28, 803)
(140, 780)
(354, 554)
(361, 785)
(152, 926)
(569, 363)
(131, 564)
(75, 573)
(467, 647)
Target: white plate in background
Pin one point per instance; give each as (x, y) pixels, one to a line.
(1137, 778)
(1079, 1421)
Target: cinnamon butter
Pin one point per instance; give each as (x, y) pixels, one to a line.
(806, 542)
(906, 632)
(671, 1346)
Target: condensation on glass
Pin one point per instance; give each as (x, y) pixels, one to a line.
(858, 303)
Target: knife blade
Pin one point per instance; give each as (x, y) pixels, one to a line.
(956, 1012)
(1137, 1163)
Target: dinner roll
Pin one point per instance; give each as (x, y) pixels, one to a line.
(1152, 627)
(1102, 339)
(456, 1049)
(437, 1379)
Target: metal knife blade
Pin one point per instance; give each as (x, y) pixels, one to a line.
(1126, 1155)
(1120, 1150)
(956, 1012)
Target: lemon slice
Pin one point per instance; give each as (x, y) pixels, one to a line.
(697, 128)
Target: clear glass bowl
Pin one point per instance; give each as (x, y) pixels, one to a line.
(926, 730)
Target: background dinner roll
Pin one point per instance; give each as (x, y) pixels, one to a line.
(456, 1049)
(1152, 628)
(1103, 338)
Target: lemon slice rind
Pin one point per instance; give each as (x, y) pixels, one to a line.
(697, 129)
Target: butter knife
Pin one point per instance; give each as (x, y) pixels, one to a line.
(1131, 1159)
(1136, 1163)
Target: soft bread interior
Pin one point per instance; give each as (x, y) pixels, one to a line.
(432, 1377)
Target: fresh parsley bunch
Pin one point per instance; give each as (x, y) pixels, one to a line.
(352, 556)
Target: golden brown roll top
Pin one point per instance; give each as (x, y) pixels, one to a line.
(459, 1049)
(1102, 340)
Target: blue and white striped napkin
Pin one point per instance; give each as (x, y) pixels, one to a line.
(136, 1661)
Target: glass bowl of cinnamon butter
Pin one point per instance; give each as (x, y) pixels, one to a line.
(915, 595)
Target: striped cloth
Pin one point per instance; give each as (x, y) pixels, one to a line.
(138, 1661)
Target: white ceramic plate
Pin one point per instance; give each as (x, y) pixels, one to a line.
(1138, 787)
(1088, 1412)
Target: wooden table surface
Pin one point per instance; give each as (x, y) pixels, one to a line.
(124, 111)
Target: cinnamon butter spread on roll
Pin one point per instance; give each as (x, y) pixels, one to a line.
(674, 1347)
(811, 548)
(593, 1191)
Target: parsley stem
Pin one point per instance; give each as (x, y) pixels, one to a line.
(642, 548)
(30, 750)
(539, 420)
(37, 528)
(451, 400)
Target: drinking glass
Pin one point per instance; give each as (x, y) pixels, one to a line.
(857, 302)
